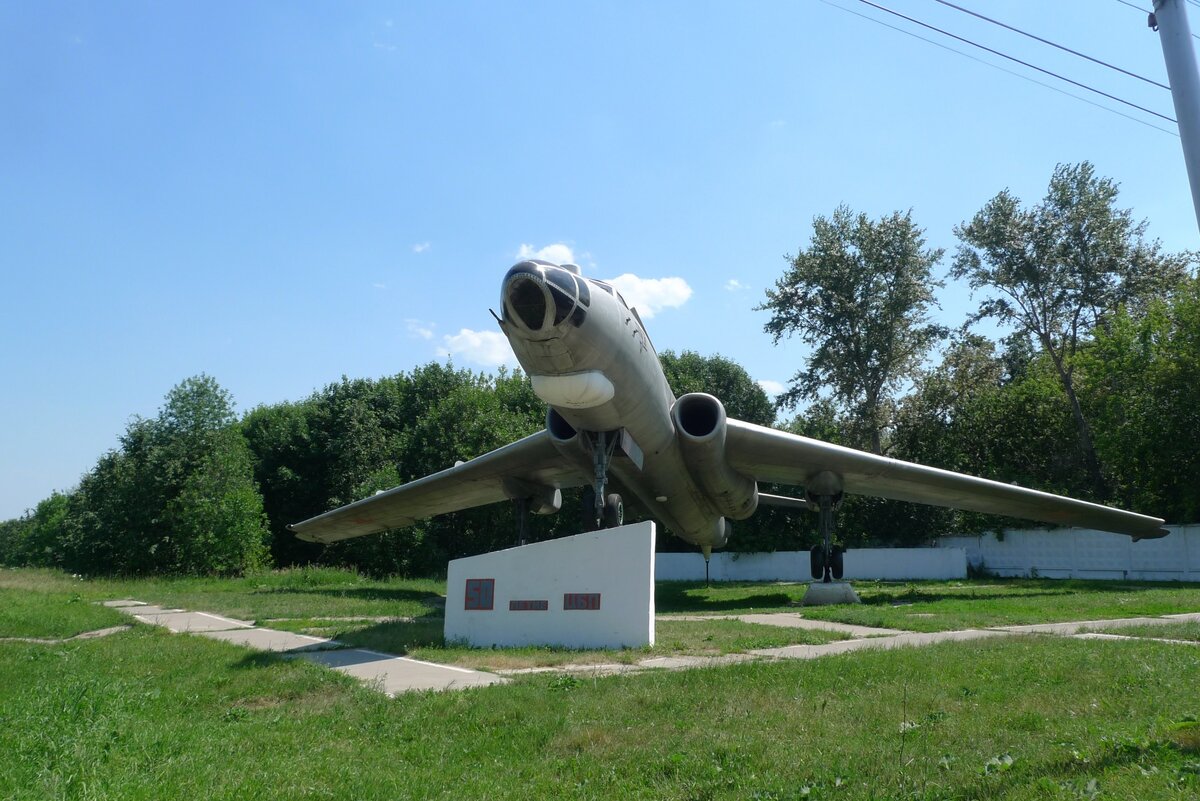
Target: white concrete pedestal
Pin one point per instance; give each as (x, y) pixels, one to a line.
(822, 593)
(593, 590)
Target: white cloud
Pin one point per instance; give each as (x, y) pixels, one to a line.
(420, 328)
(379, 286)
(558, 253)
(421, 247)
(486, 348)
(771, 387)
(651, 295)
(734, 285)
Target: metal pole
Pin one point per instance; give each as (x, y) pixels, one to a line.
(1170, 17)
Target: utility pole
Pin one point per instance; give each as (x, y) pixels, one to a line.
(1171, 22)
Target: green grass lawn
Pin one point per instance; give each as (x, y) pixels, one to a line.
(149, 715)
(945, 605)
(301, 592)
(144, 714)
(1189, 631)
(422, 639)
(51, 615)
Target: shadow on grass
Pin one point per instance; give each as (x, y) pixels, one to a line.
(682, 596)
(687, 596)
(360, 593)
(397, 638)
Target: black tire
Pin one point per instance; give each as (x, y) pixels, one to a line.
(837, 566)
(587, 510)
(817, 562)
(614, 511)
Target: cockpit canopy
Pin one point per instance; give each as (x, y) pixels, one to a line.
(538, 295)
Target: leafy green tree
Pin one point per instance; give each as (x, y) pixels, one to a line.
(972, 414)
(356, 437)
(860, 294)
(178, 497)
(288, 468)
(1055, 271)
(34, 539)
(1140, 382)
(726, 379)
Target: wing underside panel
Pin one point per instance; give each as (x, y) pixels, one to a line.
(533, 460)
(779, 457)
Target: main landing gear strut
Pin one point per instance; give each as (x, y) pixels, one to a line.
(825, 492)
(601, 510)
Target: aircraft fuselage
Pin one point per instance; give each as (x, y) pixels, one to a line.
(589, 358)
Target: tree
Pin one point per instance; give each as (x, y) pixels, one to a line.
(989, 415)
(726, 379)
(177, 497)
(34, 539)
(860, 294)
(1140, 383)
(1059, 269)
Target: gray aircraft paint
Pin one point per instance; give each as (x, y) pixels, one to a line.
(588, 353)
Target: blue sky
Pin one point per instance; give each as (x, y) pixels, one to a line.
(281, 194)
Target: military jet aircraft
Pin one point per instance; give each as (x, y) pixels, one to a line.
(614, 426)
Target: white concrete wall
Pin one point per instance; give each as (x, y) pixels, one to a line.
(1081, 553)
(614, 569)
(892, 564)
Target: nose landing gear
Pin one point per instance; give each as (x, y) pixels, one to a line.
(602, 510)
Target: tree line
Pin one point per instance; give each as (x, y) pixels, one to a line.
(1094, 392)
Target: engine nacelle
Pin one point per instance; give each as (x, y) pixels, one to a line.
(562, 432)
(542, 500)
(700, 425)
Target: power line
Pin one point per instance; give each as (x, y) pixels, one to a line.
(1053, 44)
(1019, 61)
(1002, 69)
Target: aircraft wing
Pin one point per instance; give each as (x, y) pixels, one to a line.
(529, 461)
(776, 456)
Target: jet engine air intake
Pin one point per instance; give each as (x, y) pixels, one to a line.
(560, 430)
(700, 425)
(567, 441)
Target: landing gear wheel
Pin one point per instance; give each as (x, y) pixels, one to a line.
(836, 566)
(614, 511)
(817, 562)
(587, 509)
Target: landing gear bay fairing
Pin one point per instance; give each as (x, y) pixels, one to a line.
(614, 427)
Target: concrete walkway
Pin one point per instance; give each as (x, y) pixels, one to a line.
(390, 674)
(792, 620)
(397, 674)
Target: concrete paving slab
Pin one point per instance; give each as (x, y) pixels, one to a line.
(148, 609)
(180, 622)
(1186, 616)
(280, 642)
(687, 662)
(598, 669)
(1099, 635)
(397, 674)
(1074, 627)
(92, 635)
(795, 621)
(122, 603)
(911, 639)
